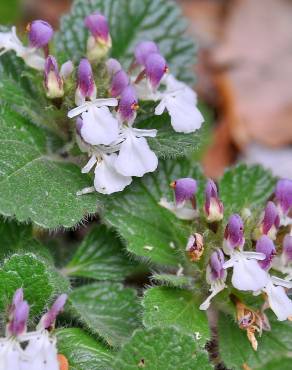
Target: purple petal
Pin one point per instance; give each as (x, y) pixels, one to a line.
(39, 33)
(51, 65)
(17, 325)
(18, 297)
(128, 104)
(266, 246)
(211, 194)
(271, 218)
(216, 264)
(98, 26)
(184, 189)
(143, 50)
(119, 82)
(284, 194)
(85, 78)
(287, 247)
(155, 68)
(234, 231)
(113, 66)
(50, 317)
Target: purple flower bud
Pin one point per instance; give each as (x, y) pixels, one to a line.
(18, 314)
(39, 33)
(48, 319)
(195, 247)
(113, 66)
(53, 80)
(213, 206)
(86, 84)
(155, 68)
(271, 220)
(119, 82)
(143, 50)
(284, 195)
(98, 26)
(18, 297)
(216, 265)
(184, 189)
(287, 247)
(128, 104)
(66, 69)
(266, 246)
(233, 235)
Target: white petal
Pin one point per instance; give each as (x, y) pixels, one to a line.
(254, 255)
(99, 126)
(248, 275)
(185, 117)
(141, 132)
(176, 87)
(33, 59)
(279, 301)
(282, 282)
(80, 109)
(108, 102)
(229, 263)
(135, 157)
(215, 289)
(66, 69)
(89, 164)
(183, 213)
(107, 180)
(160, 108)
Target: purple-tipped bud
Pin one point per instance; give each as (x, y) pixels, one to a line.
(48, 319)
(143, 50)
(271, 220)
(86, 85)
(216, 265)
(284, 195)
(98, 27)
(287, 247)
(234, 233)
(18, 314)
(213, 206)
(39, 33)
(155, 68)
(113, 66)
(119, 82)
(66, 69)
(266, 246)
(128, 104)
(184, 189)
(18, 297)
(195, 247)
(53, 80)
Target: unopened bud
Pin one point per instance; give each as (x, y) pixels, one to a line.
(213, 206)
(195, 247)
(53, 80)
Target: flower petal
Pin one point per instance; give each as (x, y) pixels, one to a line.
(279, 301)
(99, 126)
(107, 180)
(135, 157)
(183, 213)
(248, 275)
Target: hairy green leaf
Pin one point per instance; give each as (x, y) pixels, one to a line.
(107, 309)
(161, 348)
(172, 280)
(82, 351)
(164, 306)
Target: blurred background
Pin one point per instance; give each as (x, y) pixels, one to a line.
(243, 68)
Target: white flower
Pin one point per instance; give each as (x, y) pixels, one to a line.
(183, 211)
(106, 179)
(10, 353)
(180, 102)
(277, 297)
(99, 125)
(135, 157)
(247, 274)
(41, 351)
(31, 56)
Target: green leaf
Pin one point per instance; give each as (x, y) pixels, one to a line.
(34, 276)
(108, 310)
(282, 363)
(164, 306)
(161, 348)
(34, 184)
(172, 280)
(82, 351)
(100, 257)
(245, 187)
(131, 21)
(148, 229)
(235, 349)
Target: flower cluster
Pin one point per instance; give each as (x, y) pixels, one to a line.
(35, 350)
(251, 269)
(105, 126)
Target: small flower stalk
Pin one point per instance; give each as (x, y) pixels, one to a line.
(39, 351)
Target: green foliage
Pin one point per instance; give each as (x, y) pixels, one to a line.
(107, 309)
(161, 348)
(83, 351)
(164, 306)
(100, 257)
(131, 21)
